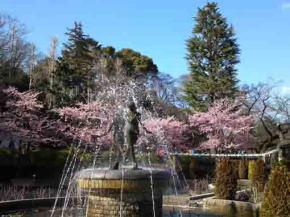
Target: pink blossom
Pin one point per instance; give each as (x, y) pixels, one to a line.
(169, 131)
(90, 123)
(23, 117)
(224, 126)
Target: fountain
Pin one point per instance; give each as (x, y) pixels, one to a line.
(124, 189)
(126, 192)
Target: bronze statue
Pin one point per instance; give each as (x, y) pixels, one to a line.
(126, 132)
(132, 132)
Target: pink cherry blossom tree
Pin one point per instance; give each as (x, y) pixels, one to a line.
(224, 125)
(23, 117)
(169, 132)
(90, 123)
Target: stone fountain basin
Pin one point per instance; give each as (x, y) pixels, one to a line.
(128, 179)
(131, 192)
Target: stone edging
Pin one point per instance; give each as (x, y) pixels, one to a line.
(201, 196)
(24, 204)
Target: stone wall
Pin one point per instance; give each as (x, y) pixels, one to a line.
(110, 203)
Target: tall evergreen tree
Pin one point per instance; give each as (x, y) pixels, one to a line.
(212, 53)
(74, 77)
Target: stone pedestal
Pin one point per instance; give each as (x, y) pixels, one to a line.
(111, 192)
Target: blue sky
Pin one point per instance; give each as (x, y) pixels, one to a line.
(159, 28)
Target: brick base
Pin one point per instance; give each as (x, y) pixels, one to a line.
(108, 204)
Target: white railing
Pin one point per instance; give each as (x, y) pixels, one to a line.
(266, 154)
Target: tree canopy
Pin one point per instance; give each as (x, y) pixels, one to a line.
(212, 53)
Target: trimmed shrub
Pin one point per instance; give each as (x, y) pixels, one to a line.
(277, 194)
(235, 164)
(280, 163)
(258, 175)
(250, 169)
(225, 180)
(243, 169)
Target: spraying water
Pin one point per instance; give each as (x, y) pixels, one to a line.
(141, 108)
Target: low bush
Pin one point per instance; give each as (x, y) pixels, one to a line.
(277, 193)
(225, 180)
(243, 169)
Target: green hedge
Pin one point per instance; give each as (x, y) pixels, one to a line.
(8, 157)
(183, 166)
(52, 157)
(197, 168)
(45, 163)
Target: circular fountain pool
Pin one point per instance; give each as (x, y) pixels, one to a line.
(132, 192)
(45, 212)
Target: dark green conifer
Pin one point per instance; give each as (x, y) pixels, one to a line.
(212, 53)
(74, 74)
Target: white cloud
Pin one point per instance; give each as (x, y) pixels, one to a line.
(285, 90)
(286, 6)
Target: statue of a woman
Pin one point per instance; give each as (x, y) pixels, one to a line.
(126, 132)
(132, 132)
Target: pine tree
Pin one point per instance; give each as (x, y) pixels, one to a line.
(74, 76)
(212, 56)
